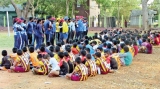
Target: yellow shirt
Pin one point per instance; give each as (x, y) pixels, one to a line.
(122, 51)
(65, 27)
(34, 60)
(56, 57)
(57, 27)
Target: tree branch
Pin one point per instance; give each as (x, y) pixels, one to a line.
(14, 5)
(37, 4)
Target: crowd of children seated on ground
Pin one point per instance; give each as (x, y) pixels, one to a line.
(77, 60)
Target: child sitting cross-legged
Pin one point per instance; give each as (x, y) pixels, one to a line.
(5, 64)
(80, 72)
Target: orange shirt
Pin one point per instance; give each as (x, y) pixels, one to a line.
(75, 51)
(34, 60)
(14, 56)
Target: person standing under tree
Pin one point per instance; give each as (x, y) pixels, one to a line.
(47, 27)
(30, 29)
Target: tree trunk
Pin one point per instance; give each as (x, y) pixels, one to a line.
(18, 11)
(26, 10)
(33, 12)
(73, 8)
(67, 7)
(145, 14)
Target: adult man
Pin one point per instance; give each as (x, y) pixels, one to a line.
(79, 32)
(30, 29)
(72, 28)
(47, 27)
(64, 34)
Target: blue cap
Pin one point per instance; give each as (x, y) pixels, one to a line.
(66, 18)
(22, 18)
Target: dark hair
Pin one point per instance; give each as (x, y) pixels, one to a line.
(83, 53)
(43, 44)
(48, 17)
(68, 48)
(98, 54)
(134, 43)
(59, 44)
(42, 49)
(14, 50)
(48, 43)
(66, 54)
(78, 60)
(144, 40)
(87, 49)
(114, 50)
(19, 52)
(39, 56)
(149, 40)
(30, 18)
(127, 42)
(24, 49)
(51, 54)
(61, 54)
(88, 56)
(122, 45)
(126, 49)
(31, 49)
(109, 46)
(115, 42)
(39, 20)
(4, 53)
(57, 49)
(100, 48)
(94, 42)
(74, 45)
(51, 48)
(107, 51)
(86, 42)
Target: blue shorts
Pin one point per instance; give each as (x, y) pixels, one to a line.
(65, 35)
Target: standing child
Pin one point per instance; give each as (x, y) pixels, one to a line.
(91, 65)
(80, 72)
(5, 64)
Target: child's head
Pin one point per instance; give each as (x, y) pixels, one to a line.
(68, 48)
(66, 54)
(51, 48)
(88, 57)
(122, 45)
(24, 49)
(135, 43)
(78, 60)
(97, 55)
(126, 49)
(59, 44)
(83, 53)
(106, 53)
(4, 53)
(74, 45)
(109, 46)
(39, 57)
(42, 49)
(114, 50)
(87, 50)
(144, 40)
(148, 40)
(57, 49)
(51, 55)
(19, 52)
(31, 49)
(94, 43)
(14, 50)
(61, 55)
(127, 42)
(48, 43)
(99, 49)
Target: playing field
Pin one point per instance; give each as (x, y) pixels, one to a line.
(144, 73)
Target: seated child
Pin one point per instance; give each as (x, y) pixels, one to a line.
(6, 63)
(88, 52)
(69, 61)
(135, 48)
(51, 49)
(100, 49)
(122, 46)
(80, 72)
(142, 49)
(91, 65)
(149, 47)
(127, 56)
(42, 69)
(56, 50)
(25, 53)
(21, 64)
(33, 57)
(71, 55)
(48, 45)
(14, 55)
(42, 51)
(53, 66)
(107, 57)
(116, 57)
(156, 39)
(83, 56)
(101, 64)
(75, 49)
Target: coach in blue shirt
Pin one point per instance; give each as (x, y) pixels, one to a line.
(79, 29)
(30, 30)
(47, 27)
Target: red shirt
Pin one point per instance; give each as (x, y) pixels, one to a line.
(135, 50)
(75, 51)
(108, 59)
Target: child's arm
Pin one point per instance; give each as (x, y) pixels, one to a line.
(122, 54)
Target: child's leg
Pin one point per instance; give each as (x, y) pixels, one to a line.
(53, 73)
(68, 76)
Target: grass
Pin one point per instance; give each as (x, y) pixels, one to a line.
(7, 42)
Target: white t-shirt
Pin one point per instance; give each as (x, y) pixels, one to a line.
(95, 47)
(53, 62)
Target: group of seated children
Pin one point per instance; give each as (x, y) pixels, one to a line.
(87, 57)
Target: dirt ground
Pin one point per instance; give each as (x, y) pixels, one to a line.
(144, 73)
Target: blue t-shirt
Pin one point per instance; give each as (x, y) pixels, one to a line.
(53, 27)
(38, 31)
(91, 49)
(46, 27)
(80, 25)
(30, 27)
(127, 58)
